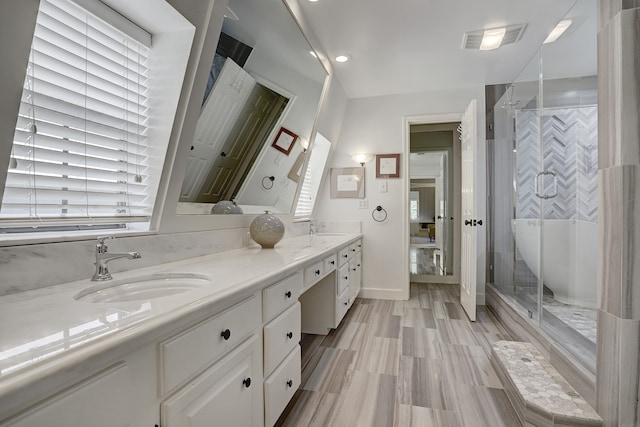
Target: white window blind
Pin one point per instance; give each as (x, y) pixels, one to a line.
(304, 208)
(414, 205)
(80, 147)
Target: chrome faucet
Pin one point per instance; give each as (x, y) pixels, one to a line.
(103, 258)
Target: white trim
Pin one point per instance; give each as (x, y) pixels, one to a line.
(389, 294)
(407, 121)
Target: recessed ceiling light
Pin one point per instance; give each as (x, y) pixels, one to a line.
(492, 39)
(342, 58)
(558, 30)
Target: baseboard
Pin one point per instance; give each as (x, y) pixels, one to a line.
(390, 294)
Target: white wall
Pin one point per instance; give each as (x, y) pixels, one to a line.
(375, 125)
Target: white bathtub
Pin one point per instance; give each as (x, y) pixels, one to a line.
(569, 256)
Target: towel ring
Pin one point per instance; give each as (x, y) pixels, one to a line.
(269, 182)
(379, 214)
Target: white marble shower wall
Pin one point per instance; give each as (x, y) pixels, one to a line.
(570, 150)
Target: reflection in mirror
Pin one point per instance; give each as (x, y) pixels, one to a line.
(263, 83)
(313, 176)
(432, 202)
(429, 206)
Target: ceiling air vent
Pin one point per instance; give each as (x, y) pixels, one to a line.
(473, 39)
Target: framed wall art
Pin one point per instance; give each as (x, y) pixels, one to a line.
(284, 141)
(387, 165)
(347, 183)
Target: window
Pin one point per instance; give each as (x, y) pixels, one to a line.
(80, 149)
(414, 205)
(313, 176)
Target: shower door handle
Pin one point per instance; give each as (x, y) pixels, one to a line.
(555, 185)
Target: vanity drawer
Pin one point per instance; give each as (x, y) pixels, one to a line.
(358, 245)
(313, 273)
(330, 263)
(280, 337)
(343, 279)
(343, 255)
(280, 387)
(353, 248)
(342, 305)
(276, 298)
(189, 352)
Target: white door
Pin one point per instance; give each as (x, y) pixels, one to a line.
(469, 138)
(220, 111)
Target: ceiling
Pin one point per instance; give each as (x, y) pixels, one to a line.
(403, 46)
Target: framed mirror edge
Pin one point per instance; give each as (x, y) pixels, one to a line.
(198, 221)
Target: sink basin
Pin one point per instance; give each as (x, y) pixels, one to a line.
(329, 234)
(142, 288)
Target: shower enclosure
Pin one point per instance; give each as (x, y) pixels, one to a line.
(543, 188)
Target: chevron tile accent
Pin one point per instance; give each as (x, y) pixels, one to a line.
(570, 150)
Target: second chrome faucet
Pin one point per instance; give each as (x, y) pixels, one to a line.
(103, 257)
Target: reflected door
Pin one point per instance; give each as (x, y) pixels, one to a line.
(469, 230)
(219, 113)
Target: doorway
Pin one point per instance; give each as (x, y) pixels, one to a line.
(434, 202)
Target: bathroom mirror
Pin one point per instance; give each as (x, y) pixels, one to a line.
(264, 83)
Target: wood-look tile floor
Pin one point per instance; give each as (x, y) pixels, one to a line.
(413, 363)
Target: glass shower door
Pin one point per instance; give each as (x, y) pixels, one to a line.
(516, 210)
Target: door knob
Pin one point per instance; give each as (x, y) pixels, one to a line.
(247, 382)
(223, 154)
(290, 383)
(287, 294)
(479, 222)
(290, 335)
(467, 222)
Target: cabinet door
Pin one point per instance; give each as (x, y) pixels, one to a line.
(102, 400)
(355, 276)
(227, 394)
(343, 279)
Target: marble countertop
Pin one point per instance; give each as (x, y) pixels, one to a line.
(41, 329)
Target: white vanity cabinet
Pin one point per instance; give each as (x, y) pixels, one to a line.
(281, 332)
(227, 394)
(103, 400)
(218, 364)
(325, 303)
(233, 361)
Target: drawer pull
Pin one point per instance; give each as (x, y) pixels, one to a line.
(332, 262)
(346, 277)
(359, 246)
(317, 272)
(226, 334)
(290, 335)
(287, 294)
(345, 256)
(247, 382)
(354, 269)
(346, 303)
(353, 250)
(290, 383)
(358, 265)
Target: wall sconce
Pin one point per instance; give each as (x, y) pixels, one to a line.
(304, 143)
(362, 158)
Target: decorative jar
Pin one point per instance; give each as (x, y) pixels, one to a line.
(266, 230)
(224, 207)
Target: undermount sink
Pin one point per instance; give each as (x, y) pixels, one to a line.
(142, 288)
